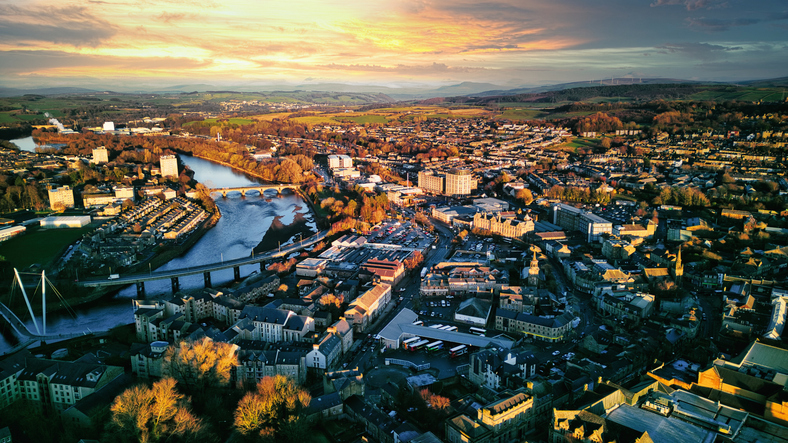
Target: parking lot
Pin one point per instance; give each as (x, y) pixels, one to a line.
(402, 234)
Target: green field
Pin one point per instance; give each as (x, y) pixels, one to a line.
(522, 114)
(39, 245)
(315, 120)
(232, 121)
(362, 119)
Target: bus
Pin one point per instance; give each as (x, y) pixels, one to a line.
(436, 326)
(450, 328)
(418, 323)
(407, 342)
(478, 331)
(418, 345)
(445, 328)
(458, 350)
(435, 346)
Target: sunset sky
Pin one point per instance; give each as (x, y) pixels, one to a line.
(143, 43)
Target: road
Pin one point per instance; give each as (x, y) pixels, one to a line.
(362, 351)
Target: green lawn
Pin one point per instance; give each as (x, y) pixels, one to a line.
(39, 245)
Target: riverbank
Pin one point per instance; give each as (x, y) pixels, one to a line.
(279, 232)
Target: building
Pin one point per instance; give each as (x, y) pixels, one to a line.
(13, 231)
(71, 221)
(431, 182)
(324, 355)
(363, 310)
(574, 219)
(505, 227)
(253, 365)
(62, 197)
(625, 304)
(458, 182)
(100, 155)
(501, 421)
(51, 384)
(551, 329)
(108, 126)
(146, 359)
(496, 369)
(169, 166)
(339, 161)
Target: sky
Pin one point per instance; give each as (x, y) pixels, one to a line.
(393, 43)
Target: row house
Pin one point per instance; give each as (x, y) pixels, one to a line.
(272, 325)
(253, 365)
(540, 328)
(52, 385)
(364, 309)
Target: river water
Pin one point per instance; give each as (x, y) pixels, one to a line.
(242, 226)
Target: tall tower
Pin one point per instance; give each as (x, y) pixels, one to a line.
(678, 270)
(533, 272)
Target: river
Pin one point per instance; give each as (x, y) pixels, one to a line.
(243, 224)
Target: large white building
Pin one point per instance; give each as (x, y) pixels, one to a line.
(339, 161)
(169, 166)
(62, 196)
(71, 221)
(100, 155)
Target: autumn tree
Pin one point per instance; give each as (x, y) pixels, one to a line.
(434, 401)
(414, 261)
(273, 412)
(289, 172)
(158, 413)
(200, 364)
(525, 196)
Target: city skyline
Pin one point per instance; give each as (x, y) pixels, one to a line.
(97, 43)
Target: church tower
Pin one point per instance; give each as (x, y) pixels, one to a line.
(678, 270)
(533, 272)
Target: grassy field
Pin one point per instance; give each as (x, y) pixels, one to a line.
(362, 119)
(232, 121)
(39, 245)
(522, 114)
(315, 120)
(582, 143)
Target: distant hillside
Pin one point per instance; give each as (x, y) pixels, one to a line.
(12, 92)
(574, 85)
(644, 92)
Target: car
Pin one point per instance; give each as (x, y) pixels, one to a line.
(556, 353)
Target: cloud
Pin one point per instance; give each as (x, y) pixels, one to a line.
(692, 5)
(700, 51)
(56, 63)
(426, 69)
(75, 26)
(719, 25)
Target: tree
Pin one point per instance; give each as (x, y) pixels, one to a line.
(201, 363)
(289, 172)
(525, 196)
(273, 412)
(158, 413)
(414, 261)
